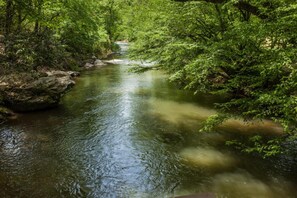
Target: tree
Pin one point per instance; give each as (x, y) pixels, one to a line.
(53, 33)
(241, 49)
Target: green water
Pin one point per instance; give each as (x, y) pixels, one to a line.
(118, 134)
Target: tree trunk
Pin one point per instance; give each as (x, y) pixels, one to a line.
(20, 20)
(8, 16)
(39, 10)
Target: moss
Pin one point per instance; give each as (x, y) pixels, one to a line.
(4, 114)
(5, 111)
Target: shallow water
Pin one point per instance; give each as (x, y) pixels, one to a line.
(118, 134)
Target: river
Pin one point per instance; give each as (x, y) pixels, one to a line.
(120, 134)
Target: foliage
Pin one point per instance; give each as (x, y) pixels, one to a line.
(55, 33)
(245, 50)
(257, 144)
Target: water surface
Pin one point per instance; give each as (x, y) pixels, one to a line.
(118, 134)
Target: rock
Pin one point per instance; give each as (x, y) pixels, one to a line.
(242, 184)
(5, 114)
(114, 61)
(207, 158)
(58, 73)
(89, 65)
(30, 92)
(73, 73)
(99, 63)
(2, 38)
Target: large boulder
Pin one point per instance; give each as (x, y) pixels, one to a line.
(30, 92)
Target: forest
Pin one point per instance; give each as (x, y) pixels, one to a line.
(148, 98)
(245, 50)
(242, 50)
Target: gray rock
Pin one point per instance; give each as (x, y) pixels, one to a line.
(115, 61)
(2, 38)
(30, 92)
(89, 65)
(58, 73)
(73, 73)
(99, 63)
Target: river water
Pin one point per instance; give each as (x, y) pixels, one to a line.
(119, 134)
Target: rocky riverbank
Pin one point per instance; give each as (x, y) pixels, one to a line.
(23, 92)
(39, 89)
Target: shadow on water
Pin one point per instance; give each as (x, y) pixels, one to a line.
(119, 134)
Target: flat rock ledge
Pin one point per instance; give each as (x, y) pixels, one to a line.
(34, 91)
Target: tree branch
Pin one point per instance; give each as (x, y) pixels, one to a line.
(242, 5)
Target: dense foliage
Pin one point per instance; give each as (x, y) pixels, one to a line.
(243, 49)
(54, 33)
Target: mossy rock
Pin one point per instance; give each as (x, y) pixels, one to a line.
(32, 91)
(5, 113)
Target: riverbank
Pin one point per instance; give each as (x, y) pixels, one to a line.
(33, 91)
(32, 86)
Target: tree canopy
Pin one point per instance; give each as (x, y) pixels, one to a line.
(245, 50)
(53, 33)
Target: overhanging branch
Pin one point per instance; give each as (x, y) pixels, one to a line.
(241, 4)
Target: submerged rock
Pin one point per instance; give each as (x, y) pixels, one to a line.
(207, 158)
(33, 91)
(243, 185)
